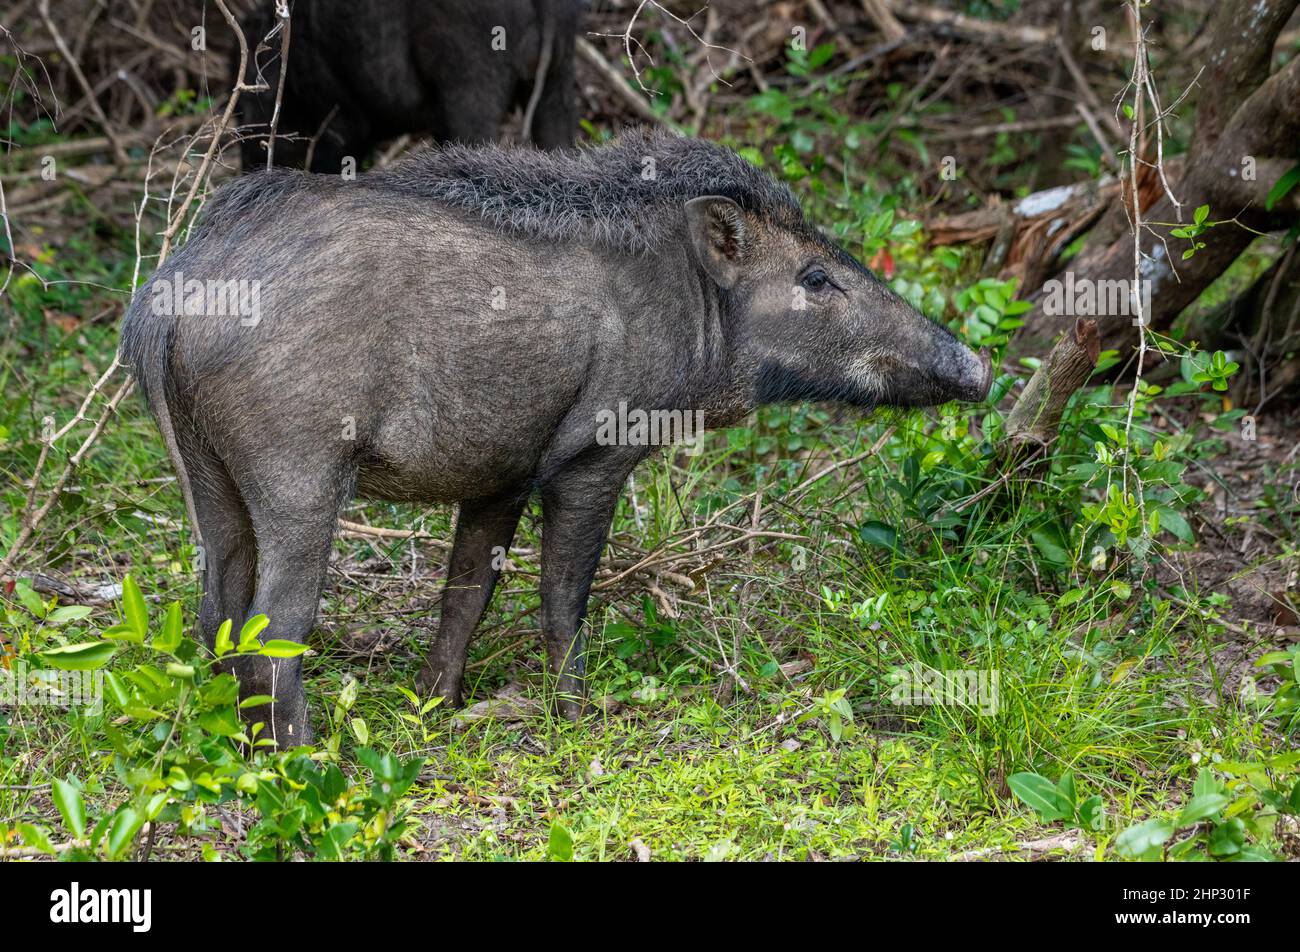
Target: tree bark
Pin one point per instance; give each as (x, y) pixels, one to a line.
(1240, 122)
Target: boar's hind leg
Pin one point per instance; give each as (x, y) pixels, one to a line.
(484, 530)
(295, 531)
(577, 509)
(229, 554)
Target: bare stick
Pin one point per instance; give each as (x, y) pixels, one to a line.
(1139, 83)
(629, 40)
(282, 11)
(1033, 421)
(616, 80)
(201, 175)
(884, 20)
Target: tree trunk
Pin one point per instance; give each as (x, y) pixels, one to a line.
(1246, 120)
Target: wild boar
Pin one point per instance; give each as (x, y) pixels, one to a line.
(457, 327)
(360, 73)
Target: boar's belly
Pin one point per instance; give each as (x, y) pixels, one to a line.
(419, 456)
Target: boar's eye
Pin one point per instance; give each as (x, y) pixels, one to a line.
(815, 280)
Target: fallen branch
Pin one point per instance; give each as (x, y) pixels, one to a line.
(119, 152)
(361, 529)
(884, 19)
(1061, 841)
(32, 519)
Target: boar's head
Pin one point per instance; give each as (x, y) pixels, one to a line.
(807, 321)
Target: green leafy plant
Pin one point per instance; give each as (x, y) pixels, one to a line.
(1217, 371)
(1193, 231)
(833, 708)
(1284, 702)
(1219, 820)
(180, 749)
(1058, 802)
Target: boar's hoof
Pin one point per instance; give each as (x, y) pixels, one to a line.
(285, 722)
(434, 682)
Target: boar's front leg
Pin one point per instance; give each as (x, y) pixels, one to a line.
(577, 509)
(484, 530)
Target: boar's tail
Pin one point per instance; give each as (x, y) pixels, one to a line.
(547, 13)
(146, 348)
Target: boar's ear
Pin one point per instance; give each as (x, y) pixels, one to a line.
(719, 235)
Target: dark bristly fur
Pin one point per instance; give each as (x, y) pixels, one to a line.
(597, 196)
(451, 329)
(609, 196)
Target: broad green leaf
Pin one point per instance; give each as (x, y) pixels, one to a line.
(72, 808)
(1049, 546)
(1092, 813)
(1041, 794)
(333, 844)
(559, 845)
(879, 534)
(27, 596)
(125, 825)
(1228, 838)
(117, 689)
(1201, 807)
(279, 648)
(1065, 791)
(359, 730)
(83, 657)
(1282, 187)
(1174, 523)
(248, 635)
(169, 639)
(68, 613)
(1070, 597)
(223, 645)
(37, 837)
(223, 722)
(121, 632)
(1205, 784)
(135, 613)
(1143, 840)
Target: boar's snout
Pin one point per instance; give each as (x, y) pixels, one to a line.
(933, 367)
(966, 375)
